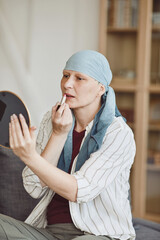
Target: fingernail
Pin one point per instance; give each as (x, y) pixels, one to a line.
(14, 116)
(20, 115)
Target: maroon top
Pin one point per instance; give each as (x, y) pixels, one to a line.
(58, 209)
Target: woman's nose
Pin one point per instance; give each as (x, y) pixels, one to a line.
(69, 82)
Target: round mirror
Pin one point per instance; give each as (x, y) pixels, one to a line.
(10, 104)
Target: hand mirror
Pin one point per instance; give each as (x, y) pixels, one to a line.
(10, 104)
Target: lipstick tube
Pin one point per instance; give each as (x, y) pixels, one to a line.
(62, 101)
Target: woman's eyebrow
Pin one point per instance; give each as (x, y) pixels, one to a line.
(64, 72)
(80, 75)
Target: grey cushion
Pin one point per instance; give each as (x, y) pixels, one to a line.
(146, 230)
(14, 200)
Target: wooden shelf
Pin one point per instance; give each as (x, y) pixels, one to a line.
(136, 50)
(154, 127)
(123, 87)
(154, 88)
(153, 167)
(121, 30)
(155, 28)
(123, 84)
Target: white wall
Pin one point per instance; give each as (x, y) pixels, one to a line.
(36, 39)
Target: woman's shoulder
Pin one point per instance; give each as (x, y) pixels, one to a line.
(118, 130)
(118, 124)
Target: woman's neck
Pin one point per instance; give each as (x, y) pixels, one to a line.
(83, 116)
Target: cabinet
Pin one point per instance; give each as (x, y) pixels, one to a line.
(130, 39)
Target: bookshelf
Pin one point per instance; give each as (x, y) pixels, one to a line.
(129, 37)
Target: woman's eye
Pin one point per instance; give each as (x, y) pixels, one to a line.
(80, 78)
(66, 75)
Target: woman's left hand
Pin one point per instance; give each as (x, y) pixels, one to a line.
(22, 139)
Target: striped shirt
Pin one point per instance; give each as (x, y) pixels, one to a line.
(102, 206)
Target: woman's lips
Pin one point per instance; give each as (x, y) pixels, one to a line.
(69, 95)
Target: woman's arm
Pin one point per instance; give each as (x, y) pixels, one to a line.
(59, 181)
(23, 144)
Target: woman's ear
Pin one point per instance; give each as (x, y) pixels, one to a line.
(102, 89)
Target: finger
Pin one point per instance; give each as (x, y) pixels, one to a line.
(16, 133)
(18, 129)
(31, 130)
(56, 105)
(67, 112)
(54, 109)
(10, 137)
(25, 128)
(60, 110)
(67, 115)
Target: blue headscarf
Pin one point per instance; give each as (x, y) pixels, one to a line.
(95, 65)
(91, 63)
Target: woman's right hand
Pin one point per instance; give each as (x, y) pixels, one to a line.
(61, 119)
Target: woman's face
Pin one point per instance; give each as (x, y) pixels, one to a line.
(80, 89)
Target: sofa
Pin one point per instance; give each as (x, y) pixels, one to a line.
(16, 202)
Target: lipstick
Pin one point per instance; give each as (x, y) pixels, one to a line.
(62, 101)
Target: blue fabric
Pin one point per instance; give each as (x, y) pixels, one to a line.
(91, 63)
(95, 65)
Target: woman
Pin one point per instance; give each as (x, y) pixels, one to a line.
(87, 151)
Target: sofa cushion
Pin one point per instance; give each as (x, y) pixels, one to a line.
(147, 230)
(14, 200)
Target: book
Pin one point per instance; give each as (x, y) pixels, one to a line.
(122, 13)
